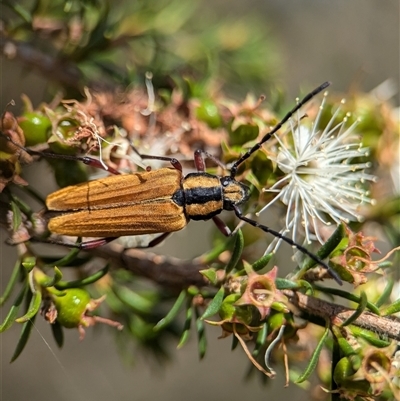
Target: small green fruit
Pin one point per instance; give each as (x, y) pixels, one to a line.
(35, 126)
(72, 307)
(208, 112)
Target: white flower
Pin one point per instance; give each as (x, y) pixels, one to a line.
(320, 185)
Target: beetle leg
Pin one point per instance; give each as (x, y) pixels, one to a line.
(200, 155)
(102, 241)
(95, 243)
(82, 245)
(199, 160)
(156, 241)
(90, 161)
(175, 162)
(222, 226)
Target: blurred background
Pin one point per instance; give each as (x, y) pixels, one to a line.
(306, 42)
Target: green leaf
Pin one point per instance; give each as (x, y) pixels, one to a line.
(13, 312)
(46, 281)
(12, 282)
(308, 287)
(58, 333)
(349, 296)
(23, 340)
(260, 340)
(369, 336)
(215, 304)
(220, 247)
(286, 284)
(262, 262)
(16, 218)
(201, 335)
(314, 358)
(360, 309)
(63, 285)
(25, 14)
(21, 205)
(279, 307)
(136, 301)
(391, 309)
(50, 261)
(326, 249)
(67, 259)
(235, 342)
(237, 252)
(33, 309)
(187, 324)
(29, 263)
(345, 347)
(172, 314)
(210, 274)
(385, 293)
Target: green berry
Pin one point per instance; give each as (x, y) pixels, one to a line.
(35, 126)
(72, 306)
(208, 112)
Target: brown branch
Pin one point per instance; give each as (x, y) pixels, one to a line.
(165, 271)
(337, 314)
(177, 274)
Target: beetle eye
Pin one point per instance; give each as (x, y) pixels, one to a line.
(225, 182)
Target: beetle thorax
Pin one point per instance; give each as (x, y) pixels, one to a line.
(204, 195)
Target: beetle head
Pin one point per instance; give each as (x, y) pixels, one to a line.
(235, 193)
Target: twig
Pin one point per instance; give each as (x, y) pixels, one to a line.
(163, 270)
(337, 314)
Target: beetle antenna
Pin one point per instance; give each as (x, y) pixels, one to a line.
(288, 240)
(277, 127)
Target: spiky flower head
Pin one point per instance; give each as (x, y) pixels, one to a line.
(323, 181)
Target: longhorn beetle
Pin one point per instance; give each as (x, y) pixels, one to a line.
(159, 201)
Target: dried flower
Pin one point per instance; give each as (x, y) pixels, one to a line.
(260, 290)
